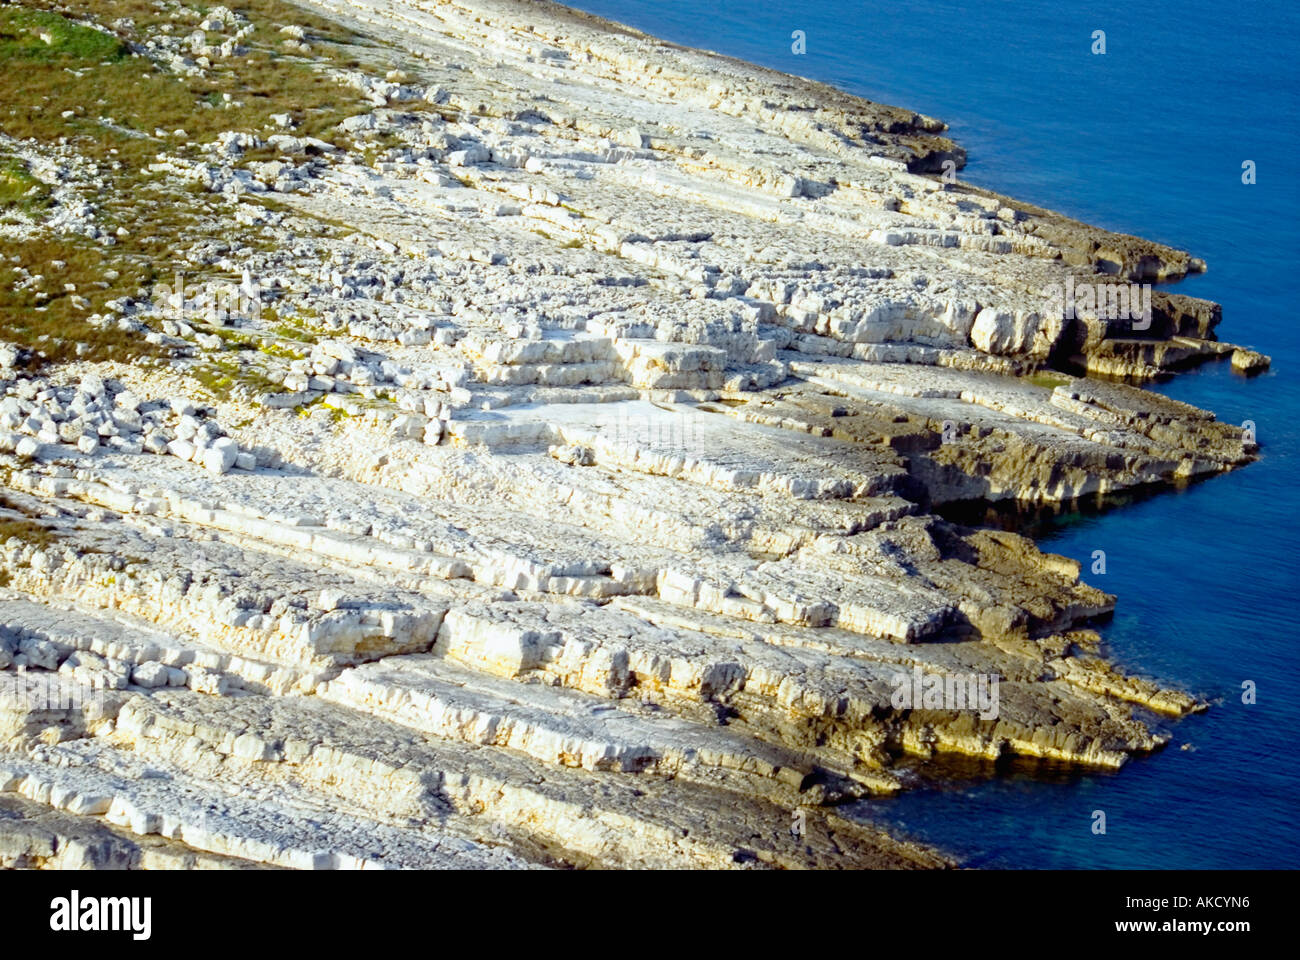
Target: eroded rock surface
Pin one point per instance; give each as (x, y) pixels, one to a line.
(569, 498)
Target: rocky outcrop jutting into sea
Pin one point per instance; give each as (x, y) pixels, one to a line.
(539, 463)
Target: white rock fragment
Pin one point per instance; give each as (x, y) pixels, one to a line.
(182, 449)
(220, 457)
(150, 675)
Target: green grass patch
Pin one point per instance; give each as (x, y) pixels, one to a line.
(305, 410)
(274, 348)
(1048, 379)
(89, 74)
(19, 190)
(232, 339)
(53, 325)
(221, 375)
(40, 36)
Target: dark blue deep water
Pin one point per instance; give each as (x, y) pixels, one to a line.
(1147, 139)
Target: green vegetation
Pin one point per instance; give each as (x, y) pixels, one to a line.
(274, 348)
(380, 147)
(296, 328)
(19, 189)
(231, 339)
(242, 341)
(45, 318)
(35, 35)
(307, 409)
(71, 87)
(220, 375)
(290, 332)
(1048, 379)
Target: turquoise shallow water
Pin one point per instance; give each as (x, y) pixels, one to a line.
(1147, 139)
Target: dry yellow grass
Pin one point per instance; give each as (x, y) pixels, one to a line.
(89, 75)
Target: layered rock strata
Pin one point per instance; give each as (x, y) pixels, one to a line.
(582, 510)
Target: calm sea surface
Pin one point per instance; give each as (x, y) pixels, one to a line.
(1147, 139)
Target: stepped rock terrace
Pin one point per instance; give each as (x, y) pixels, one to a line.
(559, 481)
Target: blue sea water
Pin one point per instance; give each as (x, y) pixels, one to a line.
(1149, 139)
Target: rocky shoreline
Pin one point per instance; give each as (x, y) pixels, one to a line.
(526, 449)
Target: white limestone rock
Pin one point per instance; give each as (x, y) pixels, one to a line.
(220, 457)
(181, 449)
(150, 675)
(1004, 332)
